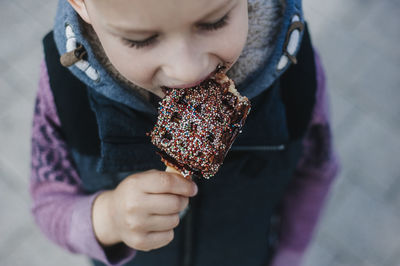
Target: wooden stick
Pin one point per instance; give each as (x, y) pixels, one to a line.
(172, 170)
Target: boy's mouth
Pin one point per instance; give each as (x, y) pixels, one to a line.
(182, 86)
(190, 85)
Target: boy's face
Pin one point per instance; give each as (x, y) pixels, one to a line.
(173, 43)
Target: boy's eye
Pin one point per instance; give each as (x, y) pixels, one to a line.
(151, 40)
(216, 25)
(141, 43)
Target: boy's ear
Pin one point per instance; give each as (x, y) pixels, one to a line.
(80, 8)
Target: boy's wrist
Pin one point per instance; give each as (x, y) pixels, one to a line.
(102, 220)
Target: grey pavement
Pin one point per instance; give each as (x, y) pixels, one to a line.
(358, 41)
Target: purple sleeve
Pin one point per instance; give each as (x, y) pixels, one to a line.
(305, 196)
(60, 208)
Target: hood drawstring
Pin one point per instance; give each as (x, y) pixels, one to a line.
(290, 47)
(76, 55)
(70, 58)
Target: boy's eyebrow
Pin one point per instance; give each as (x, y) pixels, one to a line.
(226, 3)
(114, 28)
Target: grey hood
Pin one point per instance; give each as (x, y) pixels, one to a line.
(275, 54)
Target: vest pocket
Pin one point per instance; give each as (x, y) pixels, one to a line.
(127, 140)
(259, 148)
(246, 162)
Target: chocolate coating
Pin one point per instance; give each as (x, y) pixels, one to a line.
(197, 126)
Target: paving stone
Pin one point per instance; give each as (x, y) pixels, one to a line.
(27, 65)
(376, 88)
(320, 253)
(381, 28)
(15, 135)
(20, 83)
(347, 51)
(335, 201)
(15, 183)
(8, 96)
(322, 249)
(3, 65)
(364, 226)
(19, 33)
(341, 108)
(9, 11)
(392, 261)
(36, 250)
(23, 75)
(345, 54)
(370, 153)
(349, 14)
(345, 259)
(45, 15)
(316, 21)
(15, 216)
(29, 5)
(330, 253)
(393, 195)
(328, 9)
(352, 13)
(41, 11)
(335, 198)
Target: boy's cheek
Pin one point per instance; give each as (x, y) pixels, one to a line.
(232, 52)
(237, 35)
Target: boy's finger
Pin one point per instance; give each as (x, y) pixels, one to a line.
(160, 239)
(165, 204)
(158, 223)
(152, 240)
(163, 182)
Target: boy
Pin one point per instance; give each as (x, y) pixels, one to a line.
(94, 186)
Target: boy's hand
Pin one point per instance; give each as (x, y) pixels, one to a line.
(142, 210)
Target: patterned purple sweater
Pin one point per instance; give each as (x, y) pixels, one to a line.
(63, 211)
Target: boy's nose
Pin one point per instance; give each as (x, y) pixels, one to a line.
(186, 67)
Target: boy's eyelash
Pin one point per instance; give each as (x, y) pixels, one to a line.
(140, 44)
(204, 26)
(216, 25)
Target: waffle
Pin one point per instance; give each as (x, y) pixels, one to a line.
(197, 126)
